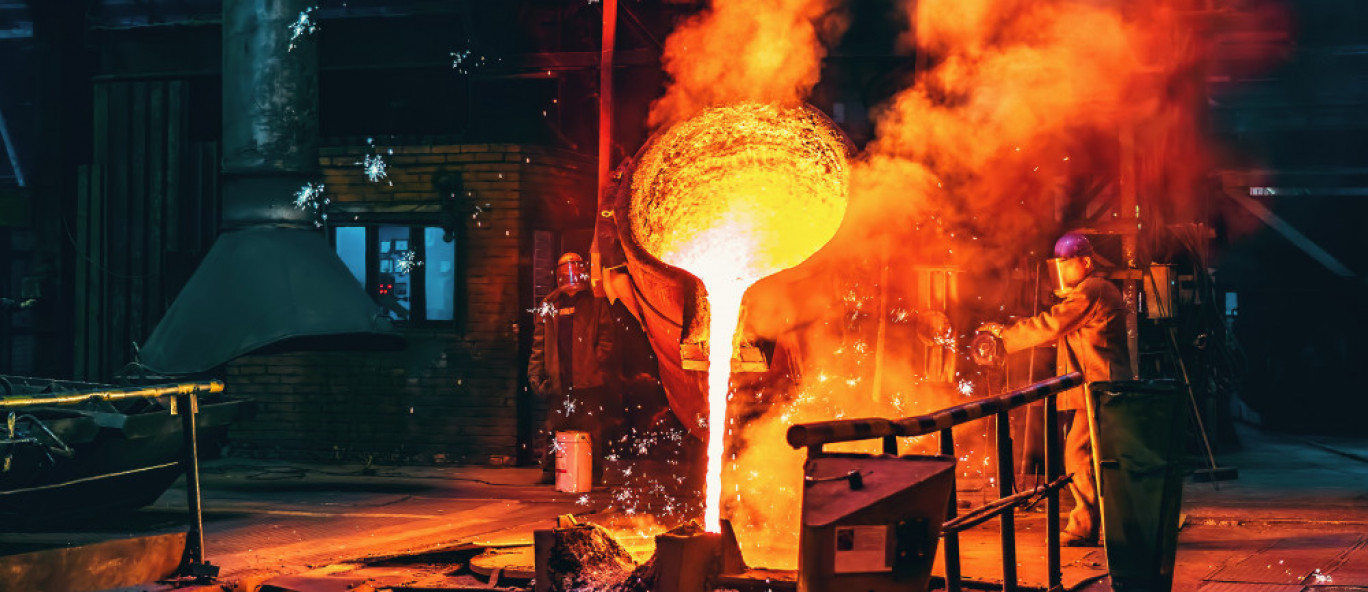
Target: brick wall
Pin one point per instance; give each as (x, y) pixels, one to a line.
(455, 392)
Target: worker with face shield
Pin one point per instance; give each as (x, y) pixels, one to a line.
(571, 362)
(1089, 324)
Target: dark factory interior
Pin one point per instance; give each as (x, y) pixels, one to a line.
(392, 295)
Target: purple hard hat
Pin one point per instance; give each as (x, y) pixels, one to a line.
(1072, 245)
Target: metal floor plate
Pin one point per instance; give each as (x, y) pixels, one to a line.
(1353, 570)
(1289, 561)
(1246, 587)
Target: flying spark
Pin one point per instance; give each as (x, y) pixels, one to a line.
(310, 197)
(544, 310)
(407, 263)
(302, 26)
(375, 167)
(458, 58)
(465, 62)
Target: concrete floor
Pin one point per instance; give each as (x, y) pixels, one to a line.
(264, 520)
(1295, 521)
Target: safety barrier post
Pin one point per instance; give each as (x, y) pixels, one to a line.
(1053, 469)
(952, 558)
(1005, 486)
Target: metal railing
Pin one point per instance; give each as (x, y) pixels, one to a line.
(814, 435)
(184, 402)
(42, 400)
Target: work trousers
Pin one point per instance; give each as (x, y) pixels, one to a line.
(1085, 518)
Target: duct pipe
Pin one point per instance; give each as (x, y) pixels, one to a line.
(270, 113)
(271, 280)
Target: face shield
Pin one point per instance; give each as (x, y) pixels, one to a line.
(1065, 273)
(572, 273)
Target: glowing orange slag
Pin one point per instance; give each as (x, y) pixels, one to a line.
(732, 195)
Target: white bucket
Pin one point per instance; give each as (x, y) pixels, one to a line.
(574, 462)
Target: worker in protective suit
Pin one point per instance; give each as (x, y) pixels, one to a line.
(571, 363)
(1090, 326)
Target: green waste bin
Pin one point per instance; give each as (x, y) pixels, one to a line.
(1142, 436)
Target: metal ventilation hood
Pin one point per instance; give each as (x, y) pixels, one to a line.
(270, 282)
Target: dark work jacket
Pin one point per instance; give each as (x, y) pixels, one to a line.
(1090, 325)
(589, 344)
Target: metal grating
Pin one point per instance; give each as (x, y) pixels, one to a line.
(1289, 561)
(1245, 587)
(1352, 570)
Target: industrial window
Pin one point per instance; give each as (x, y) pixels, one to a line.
(409, 270)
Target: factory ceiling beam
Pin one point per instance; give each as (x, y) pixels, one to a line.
(189, 50)
(1240, 195)
(642, 30)
(531, 62)
(9, 150)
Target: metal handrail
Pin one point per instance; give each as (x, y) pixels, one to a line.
(850, 430)
(185, 402)
(185, 388)
(814, 435)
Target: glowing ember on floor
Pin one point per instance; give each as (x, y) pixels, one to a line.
(733, 195)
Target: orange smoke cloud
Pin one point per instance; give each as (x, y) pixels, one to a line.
(765, 51)
(993, 132)
(1014, 127)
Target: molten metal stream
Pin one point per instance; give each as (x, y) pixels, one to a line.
(725, 304)
(732, 195)
(717, 259)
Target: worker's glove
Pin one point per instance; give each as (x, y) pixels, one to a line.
(934, 328)
(986, 349)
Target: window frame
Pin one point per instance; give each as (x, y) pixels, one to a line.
(417, 277)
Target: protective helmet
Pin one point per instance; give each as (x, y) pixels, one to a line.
(1064, 274)
(1071, 245)
(571, 270)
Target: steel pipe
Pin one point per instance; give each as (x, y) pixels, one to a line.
(987, 511)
